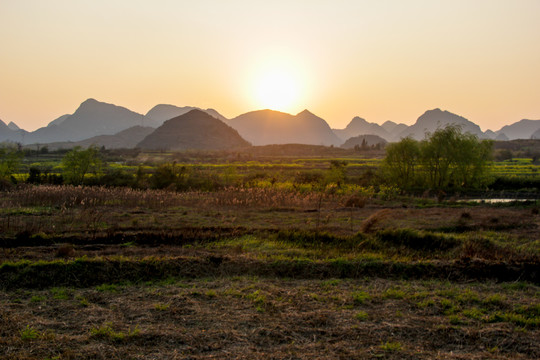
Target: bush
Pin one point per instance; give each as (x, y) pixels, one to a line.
(308, 177)
(116, 177)
(307, 238)
(417, 240)
(356, 202)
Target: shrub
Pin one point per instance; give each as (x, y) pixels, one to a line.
(370, 222)
(65, 251)
(417, 240)
(307, 238)
(356, 202)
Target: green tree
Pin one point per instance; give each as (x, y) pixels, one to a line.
(447, 159)
(472, 160)
(170, 176)
(78, 162)
(336, 173)
(437, 152)
(401, 163)
(10, 158)
(457, 160)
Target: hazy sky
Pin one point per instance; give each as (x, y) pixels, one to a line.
(381, 60)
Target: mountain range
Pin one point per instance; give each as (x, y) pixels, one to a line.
(125, 139)
(103, 124)
(359, 126)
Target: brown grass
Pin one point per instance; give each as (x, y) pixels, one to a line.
(247, 318)
(239, 292)
(369, 224)
(66, 251)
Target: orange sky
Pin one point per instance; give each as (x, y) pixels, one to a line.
(381, 60)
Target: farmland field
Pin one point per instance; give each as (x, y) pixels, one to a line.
(262, 268)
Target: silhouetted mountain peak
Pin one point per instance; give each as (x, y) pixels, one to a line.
(522, 129)
(358, 120)
(13, 126)
(195, 129)
(389, 123)
(305, 112)
(6, 133)
(3, 125)
(435, 119)
(502, 137)
(440, 115)
(162, 112)
(265, 127)
(92, 105)
(90, 101)
(357, 124)
(266, 111)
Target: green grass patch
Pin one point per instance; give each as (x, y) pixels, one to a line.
(28, 333)
(360, 297)
(107, 288)
(361, 316)
(106, 331)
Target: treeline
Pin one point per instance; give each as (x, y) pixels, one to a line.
(446, 161)
(91, 167)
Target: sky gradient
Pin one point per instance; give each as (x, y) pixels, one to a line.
(380, 60)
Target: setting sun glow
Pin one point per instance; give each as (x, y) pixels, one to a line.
(277, 90)
(278, 81)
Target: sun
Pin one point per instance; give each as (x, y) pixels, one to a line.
(277, 89)
(278, 79)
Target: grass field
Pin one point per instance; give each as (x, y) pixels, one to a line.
(273, 273)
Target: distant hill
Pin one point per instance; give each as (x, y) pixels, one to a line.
(8, 134)
(359, 140)
(4, 128)
(488, 134)
(536, 134)
(359, 126)
(393, 129)
(195, 130)
(13, 126)
(125, 139)
(92, 118)
(163, 112)
(59, 120)
(265, 127)
(522, 129)
(435, 119)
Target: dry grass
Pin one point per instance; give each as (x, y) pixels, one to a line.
(246, 318)
(239, 290)
(369, 224)
(88, 197)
